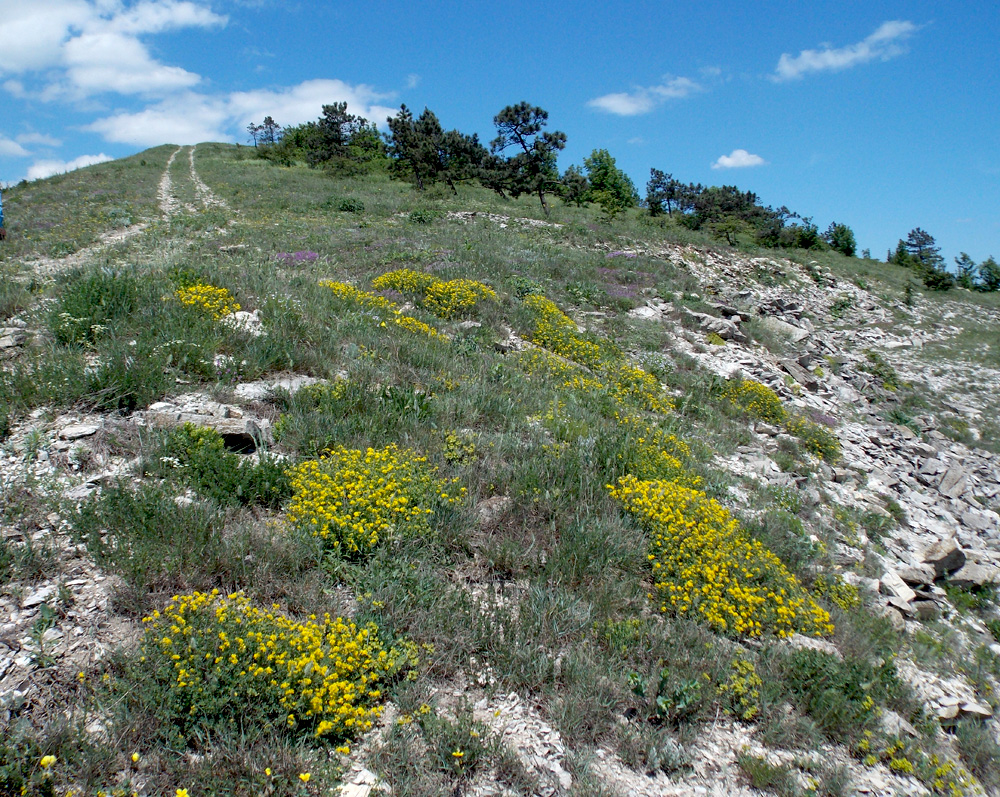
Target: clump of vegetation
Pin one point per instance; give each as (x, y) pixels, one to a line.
(445, 298)
(704, 563)
(198, 458)
(220, 659)
(816, 437)
(755, 400)
(92, 304)
(217, 302)
(351, 498)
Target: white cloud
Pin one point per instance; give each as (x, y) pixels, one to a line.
(885, 43)
(85, 47)
(47, 168)
(412, 81)
(645, 99)
(738, 159)
(42, 139)
(190, 117)
(99, 62)
(12, 149)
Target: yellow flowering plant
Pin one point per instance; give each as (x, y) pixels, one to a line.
(353, 498)
(705, 564)
(445, 298)
(217, 302)
(221, 659)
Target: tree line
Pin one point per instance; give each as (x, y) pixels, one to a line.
(522, 160)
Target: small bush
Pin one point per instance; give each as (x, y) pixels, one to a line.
(755, 400)
(352, 498)
(841, 696)
(217, 302)
(216, 660)
(197, 457)
(704, 563)
(92, 304)
(817, 439)
(351, 206)
(147, 538)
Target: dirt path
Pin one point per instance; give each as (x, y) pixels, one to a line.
(169, 206)
(205, 194)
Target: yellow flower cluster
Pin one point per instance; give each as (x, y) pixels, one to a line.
(756, 400)
(703, 562)
(353, 498)
(742, 688)
(837, 591)
(632, 385)
(557, 332)
(351, 295)
(651, 453)
(627, 384)
(418, 327)
(222, 654)
(942, 777)
(458, 297)
(218, 302)
(817, 439)
(404, 280)
(444, 298)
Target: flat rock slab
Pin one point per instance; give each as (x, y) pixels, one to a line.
(77, 430)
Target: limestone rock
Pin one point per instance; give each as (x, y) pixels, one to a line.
(944, 556)
(894, 587)
(974, 575)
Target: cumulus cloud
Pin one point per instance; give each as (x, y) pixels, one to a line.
(738, 159)
(47, 168)
(84, 47)
(190, 117)
(12, 149)
(645, 98)
(885, 43)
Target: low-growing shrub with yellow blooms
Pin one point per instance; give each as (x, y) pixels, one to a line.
(353, 498)
(444, 298)
(704, 563)
(817, 439)
(631, 385)
(741, 689)
(649, 452)
(455, 298)
(217, 302)
(557, 332)
(365, 299)
(221, 658)
(405, 281)
(416, 326)
(756, 400)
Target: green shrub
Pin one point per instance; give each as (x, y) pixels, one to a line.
(351, 206)
(197, 457)
(92, 303)
(841, 696)
(817, 439)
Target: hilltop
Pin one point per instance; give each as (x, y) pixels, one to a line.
(315, 481)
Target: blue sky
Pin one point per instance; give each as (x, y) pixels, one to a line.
(880, 115)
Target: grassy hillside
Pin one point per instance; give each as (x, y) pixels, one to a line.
(446, 513)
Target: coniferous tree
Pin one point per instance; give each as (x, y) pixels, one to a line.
(989, 275)
(532, 169)
(967, 270)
